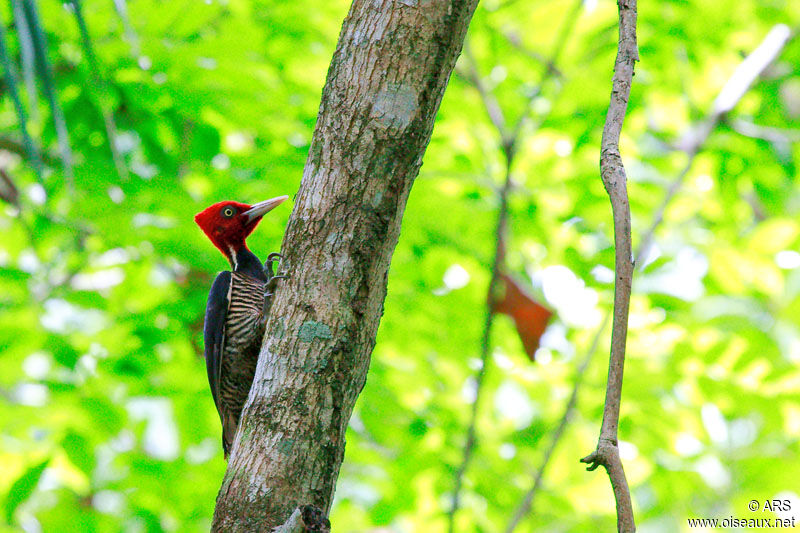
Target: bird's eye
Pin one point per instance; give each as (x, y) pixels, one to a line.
(228, 212)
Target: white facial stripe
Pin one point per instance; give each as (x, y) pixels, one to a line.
(233, 257)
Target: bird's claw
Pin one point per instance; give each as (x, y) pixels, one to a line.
(272, 283)
(271, 258)
(272, 280)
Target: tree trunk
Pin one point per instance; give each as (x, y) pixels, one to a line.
(386, 80)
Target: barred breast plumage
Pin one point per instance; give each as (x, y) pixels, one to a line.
(244, 330)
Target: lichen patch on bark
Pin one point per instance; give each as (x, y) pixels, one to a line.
(395, 107)
(311, 330)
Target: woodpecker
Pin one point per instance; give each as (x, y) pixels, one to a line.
(238, 306)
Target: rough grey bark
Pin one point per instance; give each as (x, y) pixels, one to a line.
(386, 80)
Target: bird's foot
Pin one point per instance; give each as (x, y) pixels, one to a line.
(272, 284)
(272, 280)
(274, 257)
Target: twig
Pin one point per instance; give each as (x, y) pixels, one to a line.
(737, 85)
(498, 120)
(489, 101)
(614, 179)
(131, 36)
(46, 74)
(558, 47)
(185, 147)
(27, 56)
(8, 189)
(99, 82)
(746, 129)
(502, 219)
(527, 501)
(508, 141)
(516, 41)
(15, 146)
(11, 83)
(766, 133)
(743, 77)
(647, 236)
(751, 69)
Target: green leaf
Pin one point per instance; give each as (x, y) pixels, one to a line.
(22, 488)
(79, 452)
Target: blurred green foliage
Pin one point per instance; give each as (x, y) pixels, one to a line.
(108, 424)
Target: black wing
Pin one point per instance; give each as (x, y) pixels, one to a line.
(214, 331)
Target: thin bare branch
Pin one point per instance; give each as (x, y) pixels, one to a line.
(743, 77)
(743, 127)
(11, 83)
(121, 7)
(8, 189)
(15, 146)
(751, 69)
(185, 146)
(766, 133)
(100, 86)
(491, 104)
(469, 446)
(508, 142)
(27, 59)
(513, 37)
(46, 74)
(614, 178)
(551, 71)
(526, 504)
(737, 85)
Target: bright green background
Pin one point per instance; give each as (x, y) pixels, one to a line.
(107, 419)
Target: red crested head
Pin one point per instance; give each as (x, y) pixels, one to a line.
(228, 224)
